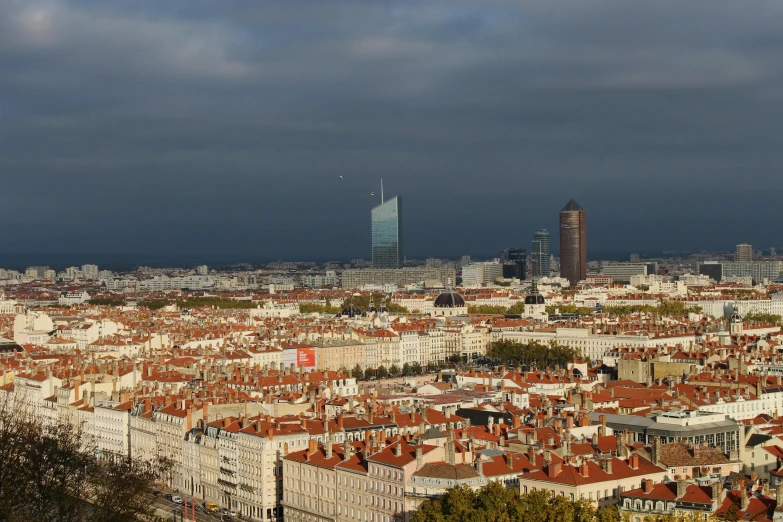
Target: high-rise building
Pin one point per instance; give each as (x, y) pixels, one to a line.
(90, 271)
(514, 263)
(387, 234)
(481, 273)
(539, 253)
(744, 253)
(573, 243)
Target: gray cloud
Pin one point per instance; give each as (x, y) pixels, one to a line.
(182, 126)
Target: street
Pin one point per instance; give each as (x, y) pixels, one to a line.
(171, 507)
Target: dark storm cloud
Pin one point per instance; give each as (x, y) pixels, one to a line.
(193, 126)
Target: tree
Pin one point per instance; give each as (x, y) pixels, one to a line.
(50, 472)
(486, 309)
(394, 371)
(516, 309)
(496, 503)
(357, 373)
(406, 369)
(431, 367)
(455, 358)
(532, 353)
(382, 372)
(608, 514)
(760, 317)
(416, 368)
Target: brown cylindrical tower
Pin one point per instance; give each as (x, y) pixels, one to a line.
(573, 243)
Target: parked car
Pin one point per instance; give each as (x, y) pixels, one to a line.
(211, 507)
(177, 499)
(167, 496)
(226, 511)
(156, 492)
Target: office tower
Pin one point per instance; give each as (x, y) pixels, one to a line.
(573, 243)
(387, 234)
(540, 254)
(481, 273)
(514, 263)
(634, 258)
(744, 253)
(202, 270)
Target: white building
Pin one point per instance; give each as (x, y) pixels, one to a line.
(477, 274)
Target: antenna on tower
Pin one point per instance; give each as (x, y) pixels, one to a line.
(381, 191)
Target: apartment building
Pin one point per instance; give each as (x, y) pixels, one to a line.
(599, 481)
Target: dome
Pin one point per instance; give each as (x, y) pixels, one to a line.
(449, 299)
(534, 299)
(351, 311)
(735, 318)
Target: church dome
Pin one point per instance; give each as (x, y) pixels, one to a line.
(449, 299)
(735, 318)
(534, 299)
(351, 311)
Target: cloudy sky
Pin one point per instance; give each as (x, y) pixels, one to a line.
(191, 127)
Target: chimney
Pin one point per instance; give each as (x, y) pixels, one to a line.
(189, 419)
(583, 470)
(656, 451)
(553, 469)
(312, 447)
(328, 447)
(682, 486)
(346, 450)
(647, 485)
(398, 450)
(531, 455)
(419, 458)
(745, 501)
(602, 419)
(717, 493)
(595, 440)
(480, 467)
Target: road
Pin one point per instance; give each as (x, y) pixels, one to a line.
(170, 507)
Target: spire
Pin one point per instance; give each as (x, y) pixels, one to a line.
(572, 206)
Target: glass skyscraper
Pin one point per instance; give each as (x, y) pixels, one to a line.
(387, 234)
(540, 253)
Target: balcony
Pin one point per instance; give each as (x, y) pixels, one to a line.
(224, 482)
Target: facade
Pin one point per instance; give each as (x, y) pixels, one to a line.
(690, 427)
(477, 274)
(573, 243)
(387, 234)
(623, 272)
(515, 263)
(744, 253)
(360, 277)
(756, 270)
(540, 253)
(600, 482)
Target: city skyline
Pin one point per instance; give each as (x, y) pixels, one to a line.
(461, 107)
